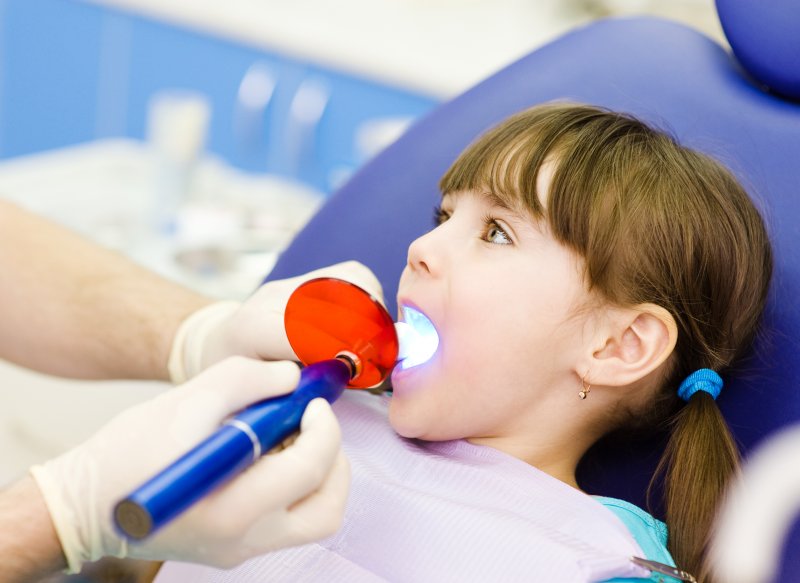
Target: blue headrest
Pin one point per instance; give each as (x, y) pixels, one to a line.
(666, 74)
(765, 37)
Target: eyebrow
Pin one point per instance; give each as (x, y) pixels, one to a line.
(495, 200)
(519, 213)
(492, 198)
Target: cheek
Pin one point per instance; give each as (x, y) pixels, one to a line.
(507, 357)
(501, 346)
(485, 344)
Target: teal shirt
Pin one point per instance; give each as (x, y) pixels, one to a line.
(650, 534)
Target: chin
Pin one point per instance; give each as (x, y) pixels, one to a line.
(418, 427)
(403, 424)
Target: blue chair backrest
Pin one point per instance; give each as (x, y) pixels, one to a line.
(662, 72)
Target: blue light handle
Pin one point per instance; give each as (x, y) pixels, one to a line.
(228, 451)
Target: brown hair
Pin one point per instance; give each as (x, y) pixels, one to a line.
(656, 223)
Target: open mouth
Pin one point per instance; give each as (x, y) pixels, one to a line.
(418, 338)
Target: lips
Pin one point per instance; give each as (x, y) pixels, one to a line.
(419, 339)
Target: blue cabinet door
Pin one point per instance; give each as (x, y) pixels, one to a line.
(73, 71)
(51, 58)
(165, 58)
(306, 127)
(352, 104)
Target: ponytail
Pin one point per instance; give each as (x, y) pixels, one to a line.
(698, 463)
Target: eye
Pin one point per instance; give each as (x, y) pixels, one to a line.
(439, 215)
(494, 233)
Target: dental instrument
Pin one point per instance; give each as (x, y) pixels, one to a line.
(345, 337)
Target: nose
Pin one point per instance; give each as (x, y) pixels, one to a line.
(424, 256)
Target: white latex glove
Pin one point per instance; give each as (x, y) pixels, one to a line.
(254, 328)
(287, 498)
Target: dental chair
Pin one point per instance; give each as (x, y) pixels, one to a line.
(672, 77)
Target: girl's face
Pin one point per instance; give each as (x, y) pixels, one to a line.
(504, 297)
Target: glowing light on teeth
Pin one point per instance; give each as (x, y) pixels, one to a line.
(418, 338)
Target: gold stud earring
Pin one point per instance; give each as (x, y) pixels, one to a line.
(586, 388)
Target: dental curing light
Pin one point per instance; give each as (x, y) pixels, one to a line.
(350, 339)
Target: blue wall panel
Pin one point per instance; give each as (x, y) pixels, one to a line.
(71, 71)
(50, 63)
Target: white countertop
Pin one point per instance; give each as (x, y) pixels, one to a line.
(108, 190)
(434, 47)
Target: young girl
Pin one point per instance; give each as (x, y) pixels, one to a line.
(587, 274)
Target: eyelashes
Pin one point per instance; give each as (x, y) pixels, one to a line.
(439, 215)
(491, 232)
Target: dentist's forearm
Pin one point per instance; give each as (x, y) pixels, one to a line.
(29, 546)
(72, 308)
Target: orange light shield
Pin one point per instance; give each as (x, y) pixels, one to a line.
(326, 316)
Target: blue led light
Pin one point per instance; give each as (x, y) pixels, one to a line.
(418, 338)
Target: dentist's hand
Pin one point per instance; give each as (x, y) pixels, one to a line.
(254, 328)
(287, 498)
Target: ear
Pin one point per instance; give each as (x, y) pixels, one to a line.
(632, 343)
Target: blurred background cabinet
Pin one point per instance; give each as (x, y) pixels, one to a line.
(74, 71)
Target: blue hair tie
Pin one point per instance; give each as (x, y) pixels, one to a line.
(704, 379)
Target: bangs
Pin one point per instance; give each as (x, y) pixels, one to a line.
(505, 162)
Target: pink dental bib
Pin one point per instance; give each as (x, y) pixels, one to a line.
(443, 511)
